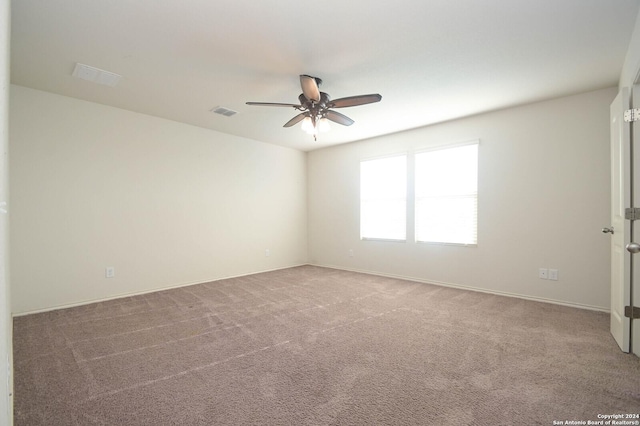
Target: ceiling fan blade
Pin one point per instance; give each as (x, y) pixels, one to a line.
(310, 88)
(295, 120)
(355, 101)
(273, 104)
(338, 118)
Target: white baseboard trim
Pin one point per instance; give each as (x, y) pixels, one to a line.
(470, 288)
(137, 293)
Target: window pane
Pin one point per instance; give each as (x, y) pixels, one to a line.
(383, 198)
(447, 195)
(447, 220)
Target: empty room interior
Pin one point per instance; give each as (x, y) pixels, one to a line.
(335, 213)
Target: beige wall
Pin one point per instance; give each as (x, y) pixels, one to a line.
(162, 202)
(169, 204)
(631, 68)
(543, 198)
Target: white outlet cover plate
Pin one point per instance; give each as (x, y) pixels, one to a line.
(543, 273)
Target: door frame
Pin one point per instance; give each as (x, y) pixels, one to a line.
(621, 199)
(634, 288)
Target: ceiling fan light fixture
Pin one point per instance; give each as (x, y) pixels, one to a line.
(307, 125)
(323, 125)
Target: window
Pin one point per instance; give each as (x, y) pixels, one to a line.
(446, 195)
(383, 198)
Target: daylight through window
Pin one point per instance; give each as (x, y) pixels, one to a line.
(446, 194)
(383, 198)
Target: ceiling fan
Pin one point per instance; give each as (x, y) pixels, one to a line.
(316, 106)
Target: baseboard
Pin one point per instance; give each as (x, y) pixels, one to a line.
(123, 295)
(471, 288)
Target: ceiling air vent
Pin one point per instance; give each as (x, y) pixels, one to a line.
(96, 75)
(224, 111)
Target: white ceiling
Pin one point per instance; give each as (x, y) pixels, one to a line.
(431, 61)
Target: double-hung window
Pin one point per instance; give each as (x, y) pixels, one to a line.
(444, 182)
(383, 198)
(446, 195)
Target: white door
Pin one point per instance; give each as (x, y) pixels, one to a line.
(635, 278)
(620, 199)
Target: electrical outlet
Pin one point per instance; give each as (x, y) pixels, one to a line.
(267, 253)
(543, 273)
(350, 252)
(553, 274)
(110, 272)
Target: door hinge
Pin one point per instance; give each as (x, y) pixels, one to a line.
(632, 115)
(632, 213)
(632, 312)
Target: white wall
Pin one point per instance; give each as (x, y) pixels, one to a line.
(164, 203)
(6, 416)
(631, 67)
(543, 198)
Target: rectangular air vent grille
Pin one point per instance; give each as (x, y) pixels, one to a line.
(224, 111)
(96, 75)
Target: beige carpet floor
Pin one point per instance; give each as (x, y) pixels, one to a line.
(317, 346)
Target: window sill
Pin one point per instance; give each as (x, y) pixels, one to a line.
(436, 243)
(384, 240)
